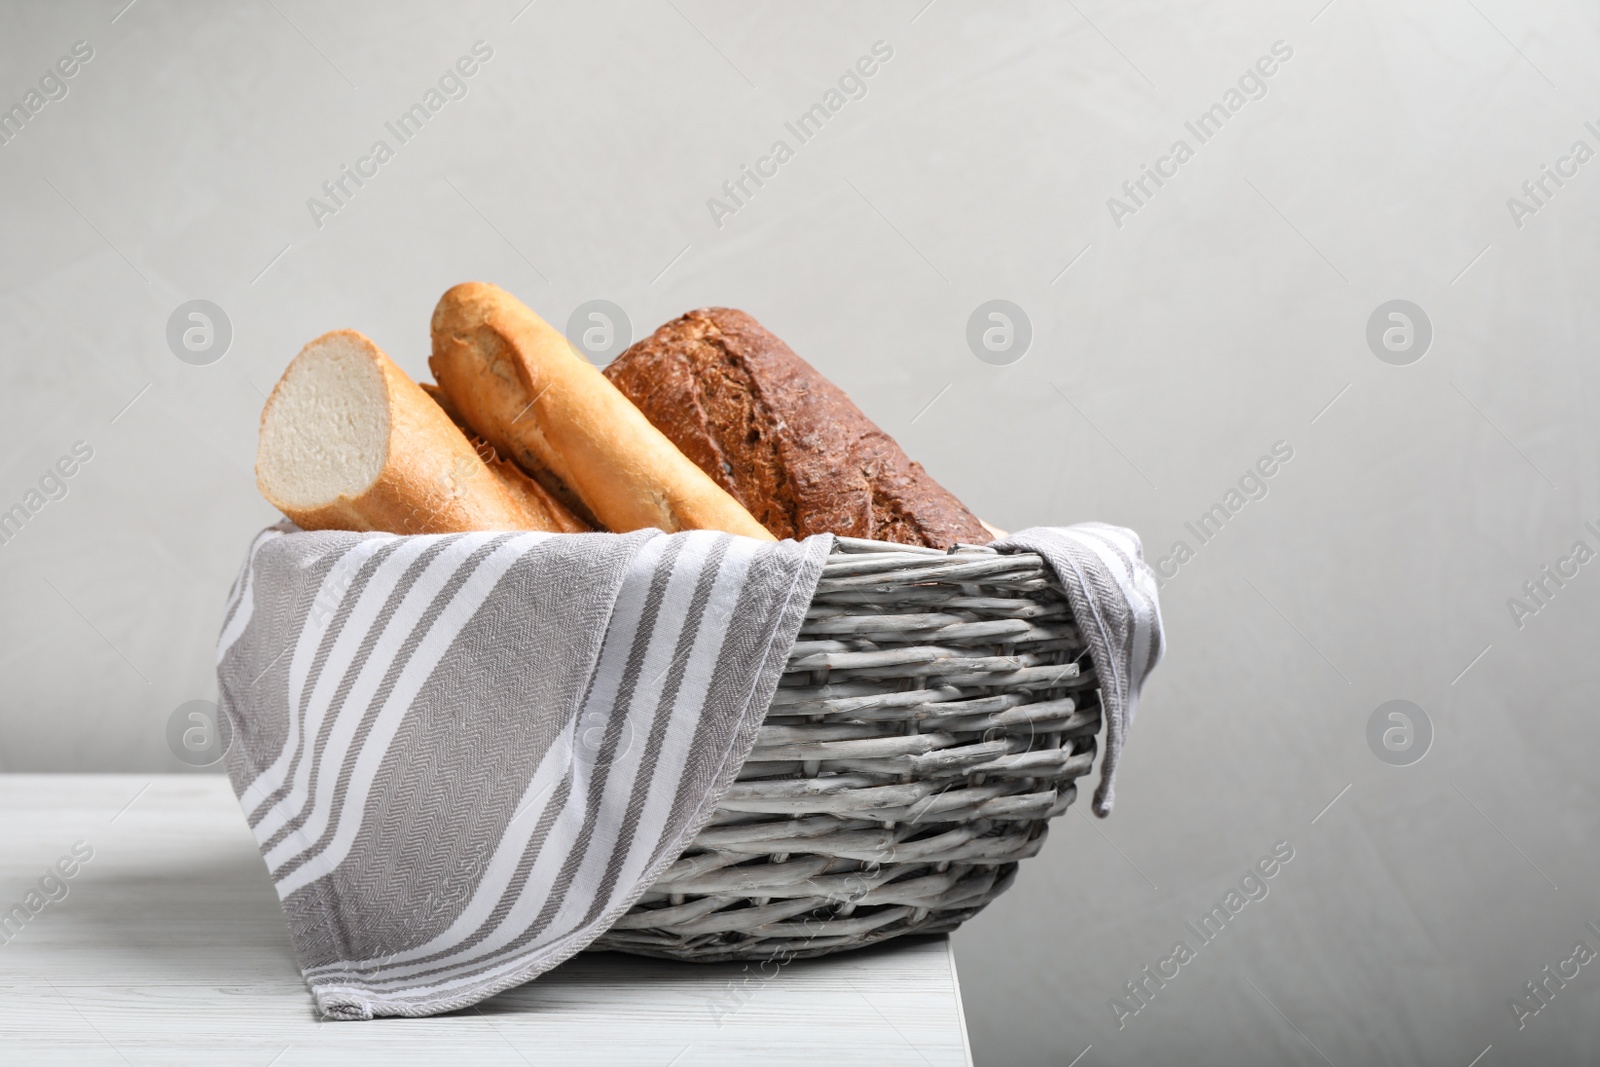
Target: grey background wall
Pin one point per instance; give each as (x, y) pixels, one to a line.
(1173, 346)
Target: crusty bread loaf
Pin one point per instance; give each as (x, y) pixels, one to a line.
(782, 439)
(511, 475)
(515, 379)
(350, 442)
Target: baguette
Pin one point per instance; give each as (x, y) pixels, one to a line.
(508, 472)
(515, 379)
(350, 442)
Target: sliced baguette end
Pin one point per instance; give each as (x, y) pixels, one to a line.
(325, 430)
(349, 441)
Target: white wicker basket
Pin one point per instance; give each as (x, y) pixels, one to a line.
(932, 718)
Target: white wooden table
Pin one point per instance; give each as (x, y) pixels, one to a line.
(169, 948)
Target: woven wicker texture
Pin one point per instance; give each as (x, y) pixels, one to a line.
(932, 718)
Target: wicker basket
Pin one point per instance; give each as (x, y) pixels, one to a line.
(932, 718)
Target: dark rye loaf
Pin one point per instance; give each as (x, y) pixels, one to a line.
(782, 439)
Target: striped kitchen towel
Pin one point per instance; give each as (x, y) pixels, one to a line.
(1114, 602)
(465, 756)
